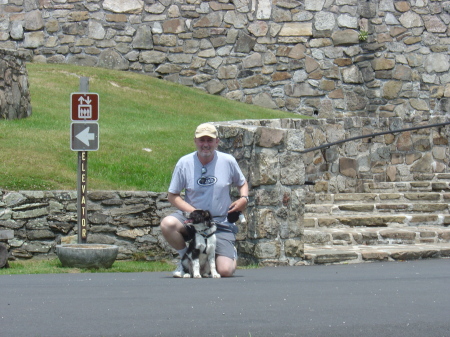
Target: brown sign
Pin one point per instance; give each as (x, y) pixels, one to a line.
(84, 106)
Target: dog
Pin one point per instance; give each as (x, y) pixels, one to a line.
(200, 257)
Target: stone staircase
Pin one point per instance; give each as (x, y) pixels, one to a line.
(388, 221)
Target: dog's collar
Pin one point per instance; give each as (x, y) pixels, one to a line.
(208, 232)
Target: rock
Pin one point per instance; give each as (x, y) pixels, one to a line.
(296, 29)
(112, 60)
(411, 20)
(123, 6)
(33, 21)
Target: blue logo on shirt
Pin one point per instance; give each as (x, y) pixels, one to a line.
(206, 181)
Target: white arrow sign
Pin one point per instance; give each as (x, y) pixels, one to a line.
(84, 136)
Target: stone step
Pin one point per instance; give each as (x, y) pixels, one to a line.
(413, 186)
(377, 208)
(376, 236)
(312, 221)
(381, 198)
(390, 221)
(363, 253)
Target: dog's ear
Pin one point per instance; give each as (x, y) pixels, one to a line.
(207, 218)
(207, 215)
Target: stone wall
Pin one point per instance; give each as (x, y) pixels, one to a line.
(308, 56)
(414, 155)
(42, 219)
(14, 91)
(268, 155)
(268, 152)
(272, 156)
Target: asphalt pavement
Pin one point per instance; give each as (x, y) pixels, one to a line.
(371, 299)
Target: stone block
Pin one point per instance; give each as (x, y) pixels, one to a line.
(423, 196)
(334, 257)
(40, 234)
(432, 208)
(357, 208)
(37, 247)
(6, 234)
(309, 223)
(374, 255)
(263, 224)
(267, 249)
(264, 168)
(315, 237)
(398, 235)
(292, 169)
(361, 197)
(348, 167)
(269, 196)
(444, 235)
(367, 238)
(129, 6)
(293, 248)
(296, 29)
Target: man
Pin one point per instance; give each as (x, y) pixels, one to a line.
(206, 176)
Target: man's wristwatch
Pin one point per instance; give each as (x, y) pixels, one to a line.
(245, 197)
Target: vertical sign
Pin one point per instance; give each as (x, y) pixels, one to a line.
(84, 134)
(82, 196)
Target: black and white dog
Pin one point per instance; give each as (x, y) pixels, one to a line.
(200, 257)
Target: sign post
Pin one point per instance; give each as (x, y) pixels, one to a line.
(84, 137)
(82, 196)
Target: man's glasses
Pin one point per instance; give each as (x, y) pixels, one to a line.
(202, 180)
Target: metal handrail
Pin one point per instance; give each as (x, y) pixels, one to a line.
(372, 135)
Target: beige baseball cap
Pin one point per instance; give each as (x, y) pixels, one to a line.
(206, 129)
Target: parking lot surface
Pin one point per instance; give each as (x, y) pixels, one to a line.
(372, 299)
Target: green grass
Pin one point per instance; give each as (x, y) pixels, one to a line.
(53, 266)
(136, 112)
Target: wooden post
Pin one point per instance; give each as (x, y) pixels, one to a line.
(82, 181)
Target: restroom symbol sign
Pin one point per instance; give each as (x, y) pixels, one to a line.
(84, 106)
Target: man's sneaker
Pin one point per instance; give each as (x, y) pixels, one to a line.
(179, 271)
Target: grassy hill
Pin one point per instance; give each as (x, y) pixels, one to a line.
(145, 124)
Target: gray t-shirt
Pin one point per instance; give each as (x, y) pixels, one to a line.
(209, 190)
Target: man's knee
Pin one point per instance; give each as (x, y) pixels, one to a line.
(225, 266)
(170, 224)
(226, 272)
(173, 231)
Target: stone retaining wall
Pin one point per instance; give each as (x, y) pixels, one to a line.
(14, 92)
(270, 153)
(43, 219)
(306, 56)
(408, 156)
(272, 234)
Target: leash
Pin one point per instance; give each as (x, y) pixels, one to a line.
(207, 233)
